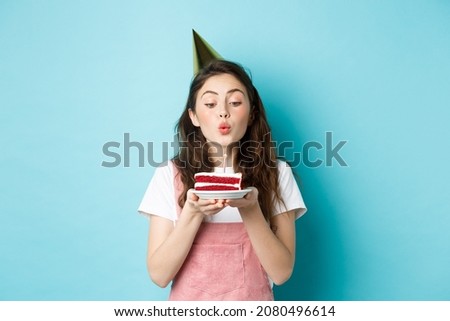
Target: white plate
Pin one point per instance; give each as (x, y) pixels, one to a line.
(222, 195)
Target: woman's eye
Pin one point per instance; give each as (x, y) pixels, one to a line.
(209, 105)
(235, 103)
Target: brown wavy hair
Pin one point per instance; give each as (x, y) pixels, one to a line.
(256, 157)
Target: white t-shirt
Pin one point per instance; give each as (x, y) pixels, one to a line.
(159, 198)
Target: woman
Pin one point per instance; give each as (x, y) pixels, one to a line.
(222, 249)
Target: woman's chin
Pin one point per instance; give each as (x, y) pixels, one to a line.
(222, 142)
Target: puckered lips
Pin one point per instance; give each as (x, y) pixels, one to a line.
(224, 128)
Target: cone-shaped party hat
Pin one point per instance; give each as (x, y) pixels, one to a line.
(203, 52)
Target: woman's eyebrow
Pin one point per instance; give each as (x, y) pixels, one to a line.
(228, 92)
(234, 90)
(209, 92)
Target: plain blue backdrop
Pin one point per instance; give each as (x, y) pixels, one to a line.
(77, 75)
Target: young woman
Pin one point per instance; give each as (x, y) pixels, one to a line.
(222, 249)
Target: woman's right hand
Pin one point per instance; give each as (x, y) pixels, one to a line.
(196, 205)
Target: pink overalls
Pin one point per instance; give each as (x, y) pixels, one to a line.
(221, 265)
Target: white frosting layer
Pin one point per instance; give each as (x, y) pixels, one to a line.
(216, 184)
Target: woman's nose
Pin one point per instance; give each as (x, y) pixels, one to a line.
(223, 112)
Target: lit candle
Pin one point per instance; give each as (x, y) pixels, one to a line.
(224, 162)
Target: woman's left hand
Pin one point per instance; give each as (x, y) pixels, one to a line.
(249, 200)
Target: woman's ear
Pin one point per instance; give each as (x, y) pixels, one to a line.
(193, 118)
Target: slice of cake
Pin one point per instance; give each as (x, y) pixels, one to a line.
(217, 181)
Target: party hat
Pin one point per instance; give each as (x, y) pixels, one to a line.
(203, 52)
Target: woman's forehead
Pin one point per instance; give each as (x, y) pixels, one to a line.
(223, 84)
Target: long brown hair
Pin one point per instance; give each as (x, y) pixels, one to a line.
(256, 158)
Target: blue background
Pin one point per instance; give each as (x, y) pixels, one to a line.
(76, 75)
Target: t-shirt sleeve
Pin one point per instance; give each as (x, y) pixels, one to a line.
(159, 198)
(290, 193)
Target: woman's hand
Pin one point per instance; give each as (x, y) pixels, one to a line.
(208, 207)
(250, 200)
(202, 206)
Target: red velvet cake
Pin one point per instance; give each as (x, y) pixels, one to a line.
(217, 181)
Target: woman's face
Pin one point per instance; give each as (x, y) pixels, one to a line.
(222, 110)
